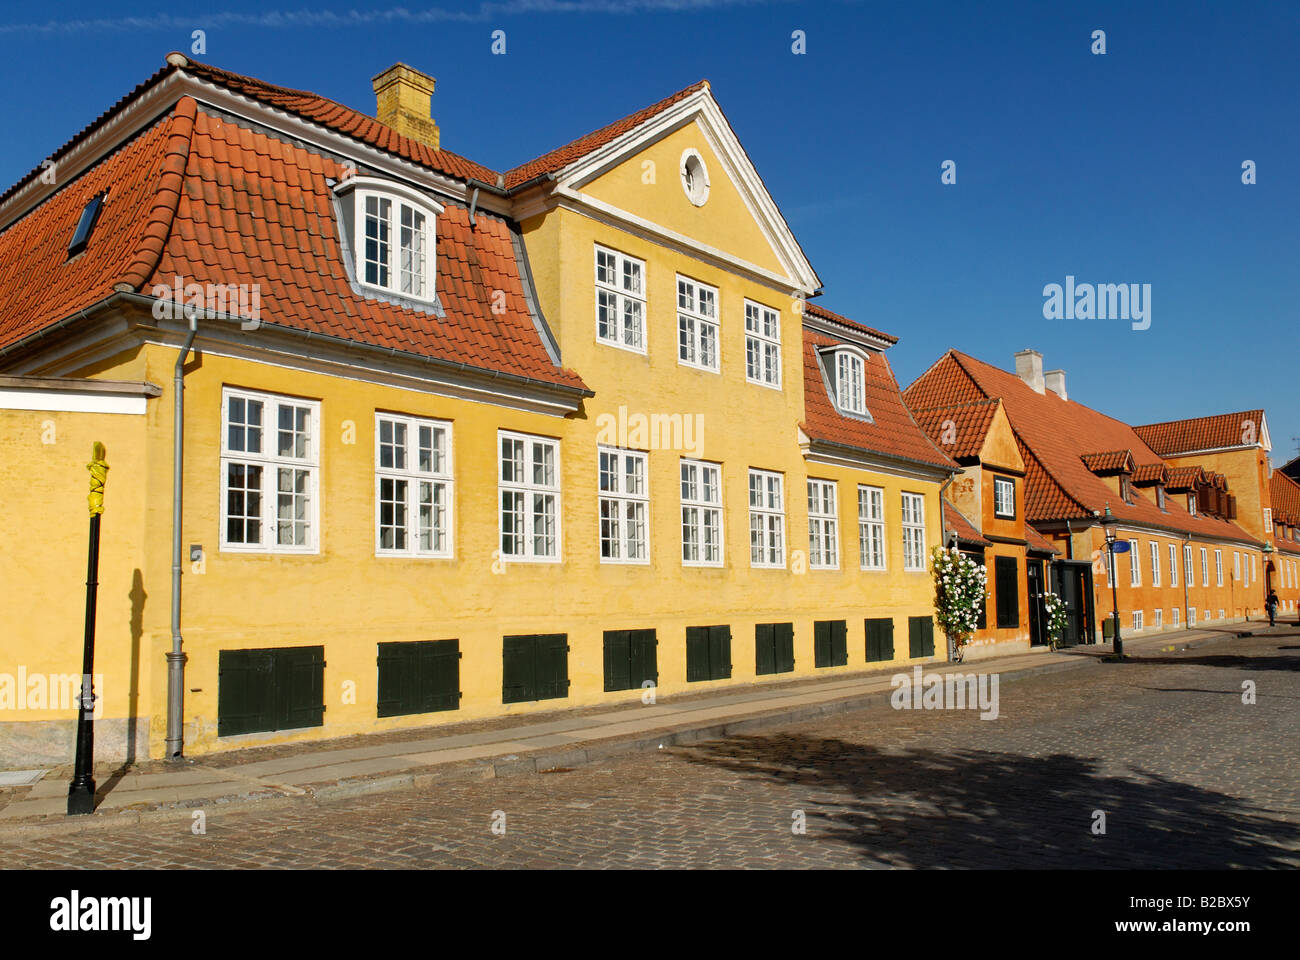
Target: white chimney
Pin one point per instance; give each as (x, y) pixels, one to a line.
(1029, 368)
(1055, 381)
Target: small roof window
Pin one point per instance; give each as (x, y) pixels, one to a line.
(86, 225)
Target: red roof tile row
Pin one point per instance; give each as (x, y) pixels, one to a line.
(954, 521)
(958, 429)
(817, 310)
(1111, 461)
(1203, 433)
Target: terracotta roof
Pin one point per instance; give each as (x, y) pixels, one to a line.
(959, 429)
(215, 202)
(817, 310)
(1150, 473)
(1112, 461)
(1053, 435)
(1185, 478)
(892, 431)
(1203, 433)
(1284, 493)
(954, 521)
(1037, 542)
(561, 157)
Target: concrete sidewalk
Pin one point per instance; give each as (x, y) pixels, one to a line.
(506, 747)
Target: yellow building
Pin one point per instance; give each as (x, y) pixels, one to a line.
(457, 443)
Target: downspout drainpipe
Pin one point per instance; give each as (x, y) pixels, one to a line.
(1186, 598)
(176, 657)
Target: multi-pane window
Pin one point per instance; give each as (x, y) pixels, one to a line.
(823, 525)
(762, 344)
(1158, 617)
(697, 324)
(1111, 576)
(1187, 565)
(1134, 565)
(1253, 577)
(620, 300)
(1218, 568)
(1191, 509)
(1205, 569)
(1236, 564)
(395, 243)
(701, 513)
(413, 486)
(1004, 497)
(1137, 621)
(1155, 563)
(1191, 616)
(1175, 616)
(871, 528)
(766, 519)
(270, 460)
(850, 383)
(1173, 565)
(624, 506)
(528, 482)
(913, 531)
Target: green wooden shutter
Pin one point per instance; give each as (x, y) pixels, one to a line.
(394, 667)
(821, 643)
(764, 648)
(245, 692)
(552, 653)
(440, 675)
(880, 639)
(839, 643)
(644, 655)
(784, 644)
(618, 660)
(300, 687)
(719, 652)
(697, 654)
(927, 636)
(920, 636)
(1006, 571)
(518, 667)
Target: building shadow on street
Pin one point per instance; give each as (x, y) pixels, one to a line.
(979, 808)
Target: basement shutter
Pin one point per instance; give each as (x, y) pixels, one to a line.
(534, 667)
(920, 637)
(630, 659)
(830, 645)
(418, 677)
(773, 648)
(880, 639)
(517, 670)
(274, 688)
(1006, 571)
(708, 653)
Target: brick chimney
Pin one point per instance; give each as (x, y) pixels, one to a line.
(1029, 368)
(403, 98)
(1054, 380)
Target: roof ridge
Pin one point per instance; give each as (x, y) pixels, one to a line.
(153, 239)
(953, 406)
(1208, 416)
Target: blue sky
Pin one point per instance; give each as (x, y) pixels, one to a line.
(1122, 168)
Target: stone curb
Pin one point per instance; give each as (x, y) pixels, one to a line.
(512, 765)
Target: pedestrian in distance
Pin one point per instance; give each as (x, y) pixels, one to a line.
(1271, 603)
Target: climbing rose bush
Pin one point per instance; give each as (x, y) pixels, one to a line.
(1054, 607)
(959, 594)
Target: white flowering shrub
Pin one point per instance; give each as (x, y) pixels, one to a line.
(959, 594)
(1054, 607)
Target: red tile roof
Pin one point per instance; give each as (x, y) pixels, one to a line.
(817, 310)
(892, 431)
(959, 429)
(215, 202)
(1037, 542)
(1185, 478)
(1053, 435)
(954, 521)
(1203, 433)
(561, 157)
(1284, 493)
(1111, 461)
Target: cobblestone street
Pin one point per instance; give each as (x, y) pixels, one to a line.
(1184, 772)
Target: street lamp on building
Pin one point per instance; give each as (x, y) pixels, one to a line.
(1111, 528)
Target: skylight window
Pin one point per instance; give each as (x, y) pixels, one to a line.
(86, 225)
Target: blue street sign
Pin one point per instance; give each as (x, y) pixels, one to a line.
(1121, 546)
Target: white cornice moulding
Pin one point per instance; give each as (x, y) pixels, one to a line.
(79, 400)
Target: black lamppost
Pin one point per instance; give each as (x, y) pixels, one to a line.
(1111, 528)
(81, 791)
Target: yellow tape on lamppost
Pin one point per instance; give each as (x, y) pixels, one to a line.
(98, 468)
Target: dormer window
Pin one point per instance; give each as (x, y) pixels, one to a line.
(1160, 497)
(850, 382)
(393, 236)
(1191, 504)
(1126, 488)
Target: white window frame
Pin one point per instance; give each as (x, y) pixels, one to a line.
(1175, 616)
(626, 290)
(1191, 504)
(823, 524)
(1191, 616)
(766, 518)
(1205, 568)
(763, 344)
(1189, 571)
(1134, 564)
(914, 530)
(1221, 616)
(693, 487)
(1137, 621)
(270, 466)
(398, 197)
(1155, 562)
(1236, 565)
(440, 475)
(624, 504)
(1254, 577)
(1173, 565)
(1000, 483)
(530, 489)
(873, 546)
(1218, 568)
(850, 381)
(1158, 617)
(692, 322)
